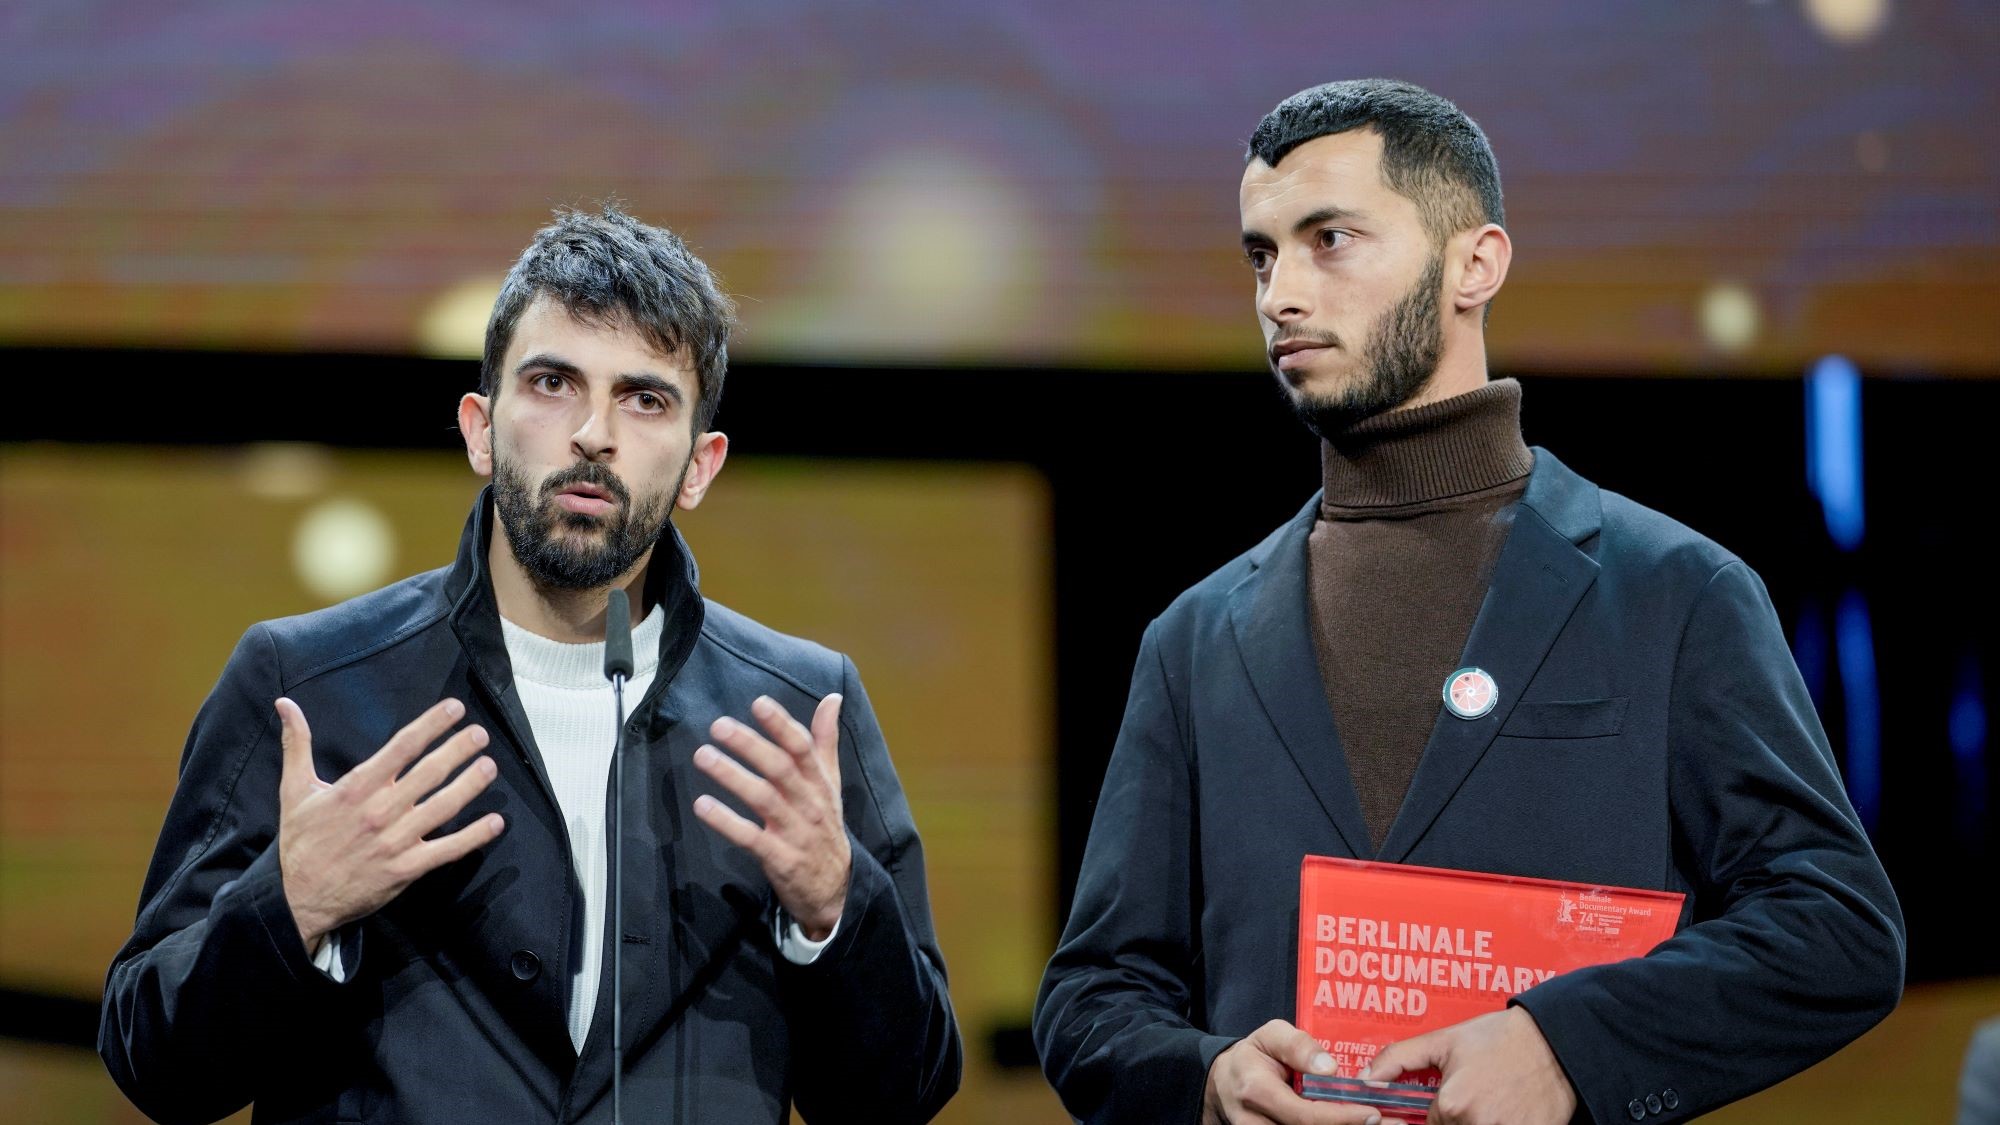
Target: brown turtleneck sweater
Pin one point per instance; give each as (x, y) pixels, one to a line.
(1418, 503)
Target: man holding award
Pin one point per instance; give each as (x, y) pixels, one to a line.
(1462, 656)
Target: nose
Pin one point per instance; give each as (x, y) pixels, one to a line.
(594, 440)
(1285, 299)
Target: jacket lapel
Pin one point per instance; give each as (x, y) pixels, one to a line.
(1272, 626)
(475, 619)
(1538, 580)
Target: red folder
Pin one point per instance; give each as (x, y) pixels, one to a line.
(1388, 952)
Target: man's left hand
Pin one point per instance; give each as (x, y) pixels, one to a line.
(1497, 1070)
(793, 784)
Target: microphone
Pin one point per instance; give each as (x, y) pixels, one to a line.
(618, 669)
(618, 638)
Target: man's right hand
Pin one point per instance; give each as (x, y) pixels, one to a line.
(346, 848)
(1251, 1083)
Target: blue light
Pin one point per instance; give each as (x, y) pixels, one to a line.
(1809, 652)
(1968, 746)
(1855, 649)
(1833, 446)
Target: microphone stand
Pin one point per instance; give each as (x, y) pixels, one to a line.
(618, 669)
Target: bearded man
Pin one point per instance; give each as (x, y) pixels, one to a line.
(382, 891)
(1459, 654)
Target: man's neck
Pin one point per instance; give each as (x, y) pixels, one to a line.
(1461, 368)
(570, 616)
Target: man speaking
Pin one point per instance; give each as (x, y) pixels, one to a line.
(383, 891)
(1460, 654)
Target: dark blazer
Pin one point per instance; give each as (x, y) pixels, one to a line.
(1651, 731)
(454, 1005)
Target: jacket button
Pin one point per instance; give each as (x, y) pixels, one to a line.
(1637, 1109)
(527, 966)
(1652, 1103)
(1670, 1099)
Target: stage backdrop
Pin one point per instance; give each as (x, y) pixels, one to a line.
(1691, 187)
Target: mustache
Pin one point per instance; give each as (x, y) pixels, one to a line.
(591, 473)
(1308, 335)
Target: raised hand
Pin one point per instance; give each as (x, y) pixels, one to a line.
(348, 847)
(795, 789)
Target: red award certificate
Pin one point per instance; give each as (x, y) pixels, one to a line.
(1387, 952)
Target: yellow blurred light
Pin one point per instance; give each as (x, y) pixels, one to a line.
(1848, 21)
(930, 251)
(1729, 316)
(283, 470)
(343, 547)
(454, 326)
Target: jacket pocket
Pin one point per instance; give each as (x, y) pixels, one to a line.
(1580, 718)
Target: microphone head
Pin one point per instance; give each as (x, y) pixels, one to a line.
(618, 637)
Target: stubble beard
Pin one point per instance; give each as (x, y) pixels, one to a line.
(1399, 357)
(600, 548)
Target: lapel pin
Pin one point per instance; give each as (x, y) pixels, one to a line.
(1470, 693)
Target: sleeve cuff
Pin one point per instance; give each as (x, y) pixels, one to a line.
(339, 953)
(868, 885)
(260, 893)
(793, 942)
(1578, 1046)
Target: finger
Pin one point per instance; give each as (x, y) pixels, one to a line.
(433, 854)
(295, 736)
(1273, 1097)
(433, 768)
(826, 737)
(1398, 1059)
(432, 812)
(732, 826)
(760, 795)
(790, 735)
(1292, 1047)
(407, 744)
(775, 765)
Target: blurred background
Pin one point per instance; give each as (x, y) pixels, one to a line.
(998, 396)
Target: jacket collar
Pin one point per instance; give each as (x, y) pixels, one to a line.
(1542, 573)
(672, 582)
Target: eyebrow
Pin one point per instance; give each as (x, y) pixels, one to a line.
(1253, 239)
(624, 382)
(647, 381)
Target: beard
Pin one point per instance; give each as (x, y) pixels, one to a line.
(599, 548)
(1398, 358)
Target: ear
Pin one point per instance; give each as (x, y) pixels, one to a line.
(1485, 256)
(475, 425)
(710, 451)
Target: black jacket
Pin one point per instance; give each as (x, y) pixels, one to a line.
(1651, 731)
(453, 1008)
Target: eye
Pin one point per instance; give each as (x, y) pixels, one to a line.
(549, 383)
(1259, 258)
(647, 402)
(1332, 239)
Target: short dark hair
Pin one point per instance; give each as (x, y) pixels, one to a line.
(610, 267)
(1432, 153)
